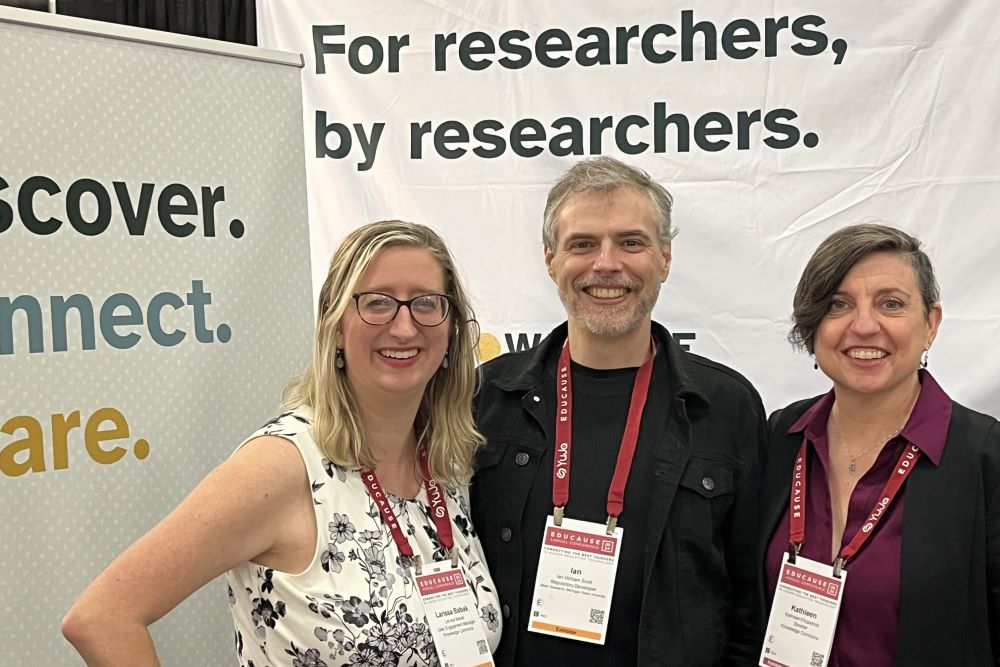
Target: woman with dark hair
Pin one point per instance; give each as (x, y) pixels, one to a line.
(325, 519)
(880, 499)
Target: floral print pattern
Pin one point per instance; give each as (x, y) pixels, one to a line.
(357, 603)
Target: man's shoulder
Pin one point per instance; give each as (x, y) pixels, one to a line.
(508, 362)
(719, 373)
(524, 368)
(719, 383)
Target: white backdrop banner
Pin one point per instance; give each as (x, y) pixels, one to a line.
(772, 123)
(154, 299)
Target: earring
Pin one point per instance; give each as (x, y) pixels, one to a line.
(444, 362)
(815, 365)
(924, 358)
(339, 361)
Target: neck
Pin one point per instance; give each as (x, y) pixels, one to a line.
(388, 427)
(861, 412)
(626, 350)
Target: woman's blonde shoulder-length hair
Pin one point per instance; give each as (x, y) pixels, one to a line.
(444, 419)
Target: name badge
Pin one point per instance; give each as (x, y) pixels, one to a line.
(804, 615)
(453, 617)
(575, 580)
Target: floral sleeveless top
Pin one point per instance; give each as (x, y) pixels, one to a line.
(356, 603)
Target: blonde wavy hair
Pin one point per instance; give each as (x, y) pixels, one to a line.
(444, 419)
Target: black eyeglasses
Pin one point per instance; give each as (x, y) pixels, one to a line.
(427, 310)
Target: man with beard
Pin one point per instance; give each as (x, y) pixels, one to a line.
(636, 461)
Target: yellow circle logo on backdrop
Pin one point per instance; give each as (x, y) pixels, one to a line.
(489, 347)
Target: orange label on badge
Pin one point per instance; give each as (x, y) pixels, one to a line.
(562, 629)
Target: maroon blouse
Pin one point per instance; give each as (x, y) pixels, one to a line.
(866, 629)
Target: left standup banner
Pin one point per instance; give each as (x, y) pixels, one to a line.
(154, 299)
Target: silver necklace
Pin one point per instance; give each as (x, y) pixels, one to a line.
(852, 467)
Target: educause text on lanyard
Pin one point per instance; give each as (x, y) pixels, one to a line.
(439, 510)
(564, 438)
(808, 594)
(451, 608)
(578, 562)
(797, 505)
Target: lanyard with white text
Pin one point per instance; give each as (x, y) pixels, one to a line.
(564, 438)
(797, 507)
(439, 511)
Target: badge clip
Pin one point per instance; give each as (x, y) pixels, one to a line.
(557, 516)
(793, 551)
(454, 557)
(612, 524)
(838, 567)
(417, 564)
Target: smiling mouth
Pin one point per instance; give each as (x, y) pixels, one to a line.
(866, 354)
(606, 292)
(398, 354)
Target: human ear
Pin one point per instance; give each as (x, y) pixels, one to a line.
(933, 322)
(667, 256)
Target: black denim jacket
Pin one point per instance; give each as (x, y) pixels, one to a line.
(699, 604)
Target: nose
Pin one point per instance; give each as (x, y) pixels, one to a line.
(865, 322)
(402, 325)
(608, 259)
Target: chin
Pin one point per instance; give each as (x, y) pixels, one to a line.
(869, 386)
(608, 326)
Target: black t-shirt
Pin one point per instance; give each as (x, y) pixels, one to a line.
(600, 409)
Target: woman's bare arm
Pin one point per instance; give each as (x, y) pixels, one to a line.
(255, 506)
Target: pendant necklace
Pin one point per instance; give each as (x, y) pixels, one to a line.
(852, 467)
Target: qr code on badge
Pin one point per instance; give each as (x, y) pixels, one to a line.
(481, 645)
(597, 616)
(817, 660)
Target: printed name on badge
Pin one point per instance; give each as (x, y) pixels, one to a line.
(804, 614)
(453, 617)
(575, 580)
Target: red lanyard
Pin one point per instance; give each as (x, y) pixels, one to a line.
(564, 438)
(439, 509)
(797, 505)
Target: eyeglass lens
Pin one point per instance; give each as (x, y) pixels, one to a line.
(426, 309)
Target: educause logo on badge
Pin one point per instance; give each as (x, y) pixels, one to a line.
(572, 539)
(814, 583)
(437, 583)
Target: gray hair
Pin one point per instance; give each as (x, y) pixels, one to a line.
(606, 174)
(835, 257)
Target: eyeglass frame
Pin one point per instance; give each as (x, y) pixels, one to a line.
(404, 302)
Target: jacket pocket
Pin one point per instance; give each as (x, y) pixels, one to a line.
(489, 455)
(704, 498)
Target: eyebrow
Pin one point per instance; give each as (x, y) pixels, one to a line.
(419, 291)
(881, 292)
(624, 234)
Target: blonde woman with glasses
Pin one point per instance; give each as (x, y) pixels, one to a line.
(329, 520)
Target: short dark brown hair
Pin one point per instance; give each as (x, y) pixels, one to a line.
(835, 257)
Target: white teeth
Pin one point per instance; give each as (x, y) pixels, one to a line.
(398, 354)
(865, 354)
(606, 292)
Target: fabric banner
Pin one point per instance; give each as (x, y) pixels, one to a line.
(773, 124)
(154, 300)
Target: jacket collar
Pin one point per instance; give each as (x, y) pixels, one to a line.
(528, 371)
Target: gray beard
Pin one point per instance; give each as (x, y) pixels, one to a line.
(609, 322)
